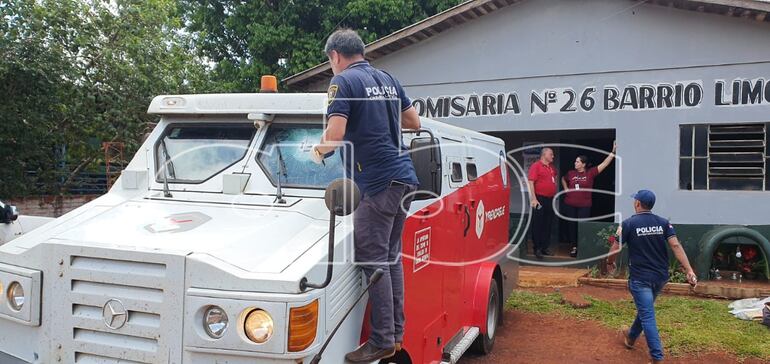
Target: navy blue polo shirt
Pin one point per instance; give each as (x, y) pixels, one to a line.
(372, 101)
(646, 235)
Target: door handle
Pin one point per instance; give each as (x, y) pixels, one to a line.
(423, 214)
(467, 221)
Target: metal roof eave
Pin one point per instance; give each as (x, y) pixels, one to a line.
(411, 34)
(470, 10)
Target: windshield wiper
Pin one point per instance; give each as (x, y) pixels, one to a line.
(167, 162)
(281, 172)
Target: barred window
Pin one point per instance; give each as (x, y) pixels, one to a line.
(731, 157)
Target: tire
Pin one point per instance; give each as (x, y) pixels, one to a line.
(484, 343)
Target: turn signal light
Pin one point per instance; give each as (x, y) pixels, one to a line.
(268, 84)
(303, 324)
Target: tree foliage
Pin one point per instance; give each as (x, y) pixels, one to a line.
(247, 39)
(74, 74)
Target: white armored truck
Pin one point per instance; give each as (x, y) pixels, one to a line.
(212, 247)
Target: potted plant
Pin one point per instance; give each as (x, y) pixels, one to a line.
(750, 261)
(758, 268)
(676, 273)
(609, 240)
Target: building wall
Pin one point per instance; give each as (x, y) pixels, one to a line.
(562, 46)
(562, 37)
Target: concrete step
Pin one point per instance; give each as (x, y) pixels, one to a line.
(550, 258)
(559, 261)
(538, 276)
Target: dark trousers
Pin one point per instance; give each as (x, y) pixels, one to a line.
(378, 225)
(541, 223)
(572, 226)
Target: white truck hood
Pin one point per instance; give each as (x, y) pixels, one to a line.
(254, 240)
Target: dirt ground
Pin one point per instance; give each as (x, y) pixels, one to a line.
(606, 294)
(534, 338)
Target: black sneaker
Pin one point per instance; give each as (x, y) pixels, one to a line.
(573, 252)
(538, 255)
(546, 252)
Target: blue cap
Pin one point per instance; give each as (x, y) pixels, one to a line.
(645, 196)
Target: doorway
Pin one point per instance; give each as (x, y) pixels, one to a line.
(578, 141)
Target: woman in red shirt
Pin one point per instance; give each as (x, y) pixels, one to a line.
(577, 200)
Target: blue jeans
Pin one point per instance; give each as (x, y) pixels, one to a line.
(644, 294)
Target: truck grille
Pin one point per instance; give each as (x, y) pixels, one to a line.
(137, 296)
(341, 294)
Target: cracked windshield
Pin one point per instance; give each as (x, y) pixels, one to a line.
(286, 152)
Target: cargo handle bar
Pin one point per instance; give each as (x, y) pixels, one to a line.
(433, 143)
(417, 133)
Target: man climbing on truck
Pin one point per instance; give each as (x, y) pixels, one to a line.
(363, 111)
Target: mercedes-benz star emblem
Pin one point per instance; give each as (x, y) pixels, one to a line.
(114, 314)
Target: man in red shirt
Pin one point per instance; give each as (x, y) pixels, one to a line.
(542, 188)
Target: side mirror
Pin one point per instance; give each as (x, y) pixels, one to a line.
(342, 197)
(8, 213)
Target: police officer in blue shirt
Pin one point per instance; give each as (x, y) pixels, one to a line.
(367, 109)
(647, 236)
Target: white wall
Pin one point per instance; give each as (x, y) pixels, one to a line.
(539, 45)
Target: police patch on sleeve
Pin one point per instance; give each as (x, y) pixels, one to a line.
(331, 94)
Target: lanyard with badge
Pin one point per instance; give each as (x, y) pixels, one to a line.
(577, 182)
(550, 172)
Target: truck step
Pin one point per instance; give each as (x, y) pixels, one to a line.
(453, 355)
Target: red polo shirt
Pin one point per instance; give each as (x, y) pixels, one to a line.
(544, 178)
(578, 182)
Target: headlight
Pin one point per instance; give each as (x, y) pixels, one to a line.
(215, 321)
(258, 326)
(15, 296)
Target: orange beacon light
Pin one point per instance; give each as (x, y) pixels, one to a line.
(268, 84)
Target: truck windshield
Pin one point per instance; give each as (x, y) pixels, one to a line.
(290, 144)
(195, 153)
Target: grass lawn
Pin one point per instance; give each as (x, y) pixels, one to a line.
(687, 325)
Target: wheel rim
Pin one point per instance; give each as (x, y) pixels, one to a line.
(492, 315)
